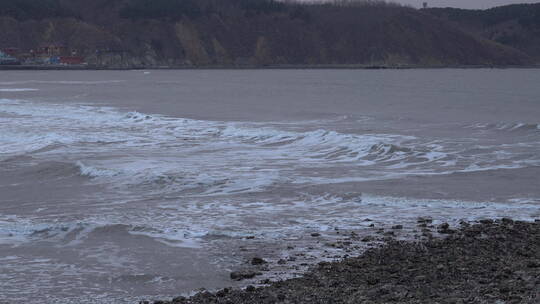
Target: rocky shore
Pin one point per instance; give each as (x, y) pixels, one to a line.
(485, 262)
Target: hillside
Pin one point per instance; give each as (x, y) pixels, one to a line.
(517, 26)
(139, 33)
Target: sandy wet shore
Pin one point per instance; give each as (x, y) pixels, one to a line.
(486, 262)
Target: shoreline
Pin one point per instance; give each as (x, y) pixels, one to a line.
(257, 67)
(484, 262)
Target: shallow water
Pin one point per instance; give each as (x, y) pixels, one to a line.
(116, 186)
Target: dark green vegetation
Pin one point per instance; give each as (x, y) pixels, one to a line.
(517, 25)
(139, 33)
(491, 262)
(32, 9)
(160, 9)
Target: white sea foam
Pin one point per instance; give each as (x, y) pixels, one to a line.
(95, 172)
(190, 223)
(291, 217)
(17, 90)
(171, 155)
(15, 230)
(506, 126)
(62, 82)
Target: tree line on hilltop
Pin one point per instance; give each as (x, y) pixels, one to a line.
(170, 9)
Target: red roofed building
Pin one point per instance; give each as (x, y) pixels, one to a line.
(71, 60)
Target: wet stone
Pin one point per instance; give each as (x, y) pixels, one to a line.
(241, 275)
(223, 292)
(425, 220)
(488, 267)
(258, 261)
(367, 239)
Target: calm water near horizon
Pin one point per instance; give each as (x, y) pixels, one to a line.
(122, 185)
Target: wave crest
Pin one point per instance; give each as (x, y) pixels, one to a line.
(517, 126)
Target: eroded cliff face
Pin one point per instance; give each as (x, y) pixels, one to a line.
(368, 36)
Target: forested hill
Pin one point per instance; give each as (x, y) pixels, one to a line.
(137, 33)
(517, 25)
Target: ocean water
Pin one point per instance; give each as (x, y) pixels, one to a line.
(117, 186)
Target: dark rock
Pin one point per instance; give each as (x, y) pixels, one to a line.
(444, 228)
(282, 262)
(396, 227)
(479, 263)
(179, 299)
(367, 239)
(533, 264)
(257, 261)
(223, 292)
(315, 234)
(507, 221)
(241, 275)
(505, 289)
(464, 223)
(425, 220)
(250, 288)
(372, 280)
(205, 294)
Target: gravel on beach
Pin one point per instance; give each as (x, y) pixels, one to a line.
(493, 261)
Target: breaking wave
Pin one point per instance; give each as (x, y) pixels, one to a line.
(507, 126)
(94, 172)
(155, 153)
(19, 231)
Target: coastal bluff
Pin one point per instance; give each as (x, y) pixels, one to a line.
(257, 33)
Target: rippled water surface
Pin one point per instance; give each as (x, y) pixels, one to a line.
(116, 186)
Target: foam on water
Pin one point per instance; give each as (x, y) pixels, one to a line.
(95, 172)
(170, 155)
(292, 216)
(61, 82)
(177, 180)
(105, 204)
(192, 222)
(17, 90)
(14, 230)
(504, 126)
